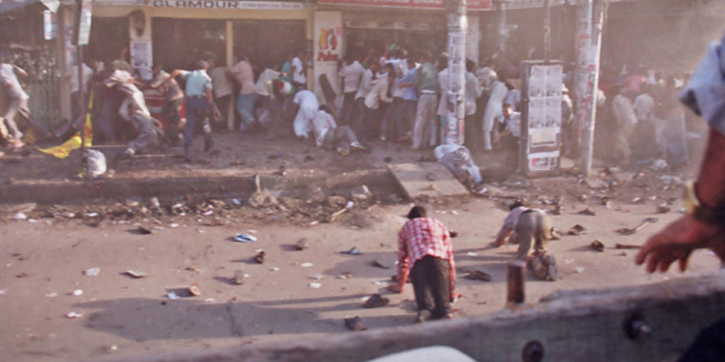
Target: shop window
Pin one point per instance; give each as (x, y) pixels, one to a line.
(179, 43)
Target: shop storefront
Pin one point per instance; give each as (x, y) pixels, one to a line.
(177, 33)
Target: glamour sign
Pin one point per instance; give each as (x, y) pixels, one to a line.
(226, 4)
(414, 4)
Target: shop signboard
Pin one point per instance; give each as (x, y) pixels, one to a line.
(83, 25)
(541, 116)
(50, 25)
(327, 52)
(227, 4)
(409, 4)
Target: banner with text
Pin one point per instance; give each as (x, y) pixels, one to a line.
(413, 4)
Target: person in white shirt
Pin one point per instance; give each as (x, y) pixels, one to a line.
(265, 92)
(457, 159)
(494, 110)
(366, 85)
(299, 71)
(17, 100)
(244, 74)
(351, 73)
(508, 140)
(308, 107)
(394, 127)
(443, 76)
(329, 135)
(626, 122)
(75, 105)
(473, 92)
(222, 81)
(376, 102)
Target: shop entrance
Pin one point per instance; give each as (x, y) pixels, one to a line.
(268, 42)
(179, 43)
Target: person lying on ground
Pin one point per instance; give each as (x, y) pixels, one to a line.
(425, 243)
(458, 160)
(329, 135)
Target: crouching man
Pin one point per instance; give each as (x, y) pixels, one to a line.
(329, 135)
(524, 226)
(426, 244)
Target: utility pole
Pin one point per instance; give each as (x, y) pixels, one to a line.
(547, 30)
(457, 30)
(589, 47)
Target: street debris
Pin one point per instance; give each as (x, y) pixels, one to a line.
(587, 212)
(263, 199)
(645, 222)
(353, 251)
(92, 272)
(381, 264)
(96, 163)
(51, 295)
(245, 238)
(478, 275)
(194, 290)
(361, 194)
(579, 269)
(135, 274)
(20, 216)
(577, 230)
(77, 292)
(344, 275)
(73, 315)
(144, 231)
(375, 301)
(470, 253)
(317, 276)
(663, 208)
(628, 246)
(173, 296)
(315, 285)
(355, 324)
(453, 233)
(259, 258)
(302, 244)
(306, 265)
(597, 245)
(193, 268)
(238, 277)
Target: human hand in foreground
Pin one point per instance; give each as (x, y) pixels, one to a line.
(677, 241)
(395, 288)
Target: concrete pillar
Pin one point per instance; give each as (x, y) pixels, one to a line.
(456, 97)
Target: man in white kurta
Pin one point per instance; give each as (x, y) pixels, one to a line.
(494, 110)
(307, 101)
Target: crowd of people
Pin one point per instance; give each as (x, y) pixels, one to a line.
(394, 95)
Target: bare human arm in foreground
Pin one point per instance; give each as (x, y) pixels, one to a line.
(679, 239)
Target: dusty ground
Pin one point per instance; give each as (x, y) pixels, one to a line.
(44, 258)
(44, 261)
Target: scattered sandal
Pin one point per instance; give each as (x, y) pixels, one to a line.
(355, 324)
(376, 300)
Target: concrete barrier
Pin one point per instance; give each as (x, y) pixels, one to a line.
(646, 323)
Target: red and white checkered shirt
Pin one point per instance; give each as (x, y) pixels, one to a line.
(420, 237)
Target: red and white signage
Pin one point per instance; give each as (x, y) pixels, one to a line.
(410, 4)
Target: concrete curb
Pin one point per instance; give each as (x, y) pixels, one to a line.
(51, 192)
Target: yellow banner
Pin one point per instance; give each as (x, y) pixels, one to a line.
(74, 143)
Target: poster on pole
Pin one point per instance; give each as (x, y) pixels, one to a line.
(142, 58)
(541, 116)
(326, 52)
(83, 21)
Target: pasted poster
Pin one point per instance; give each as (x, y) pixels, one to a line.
(142, 58)
(327, 51)
(544, 117)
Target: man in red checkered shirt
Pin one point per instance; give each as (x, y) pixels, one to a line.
(426, 244)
